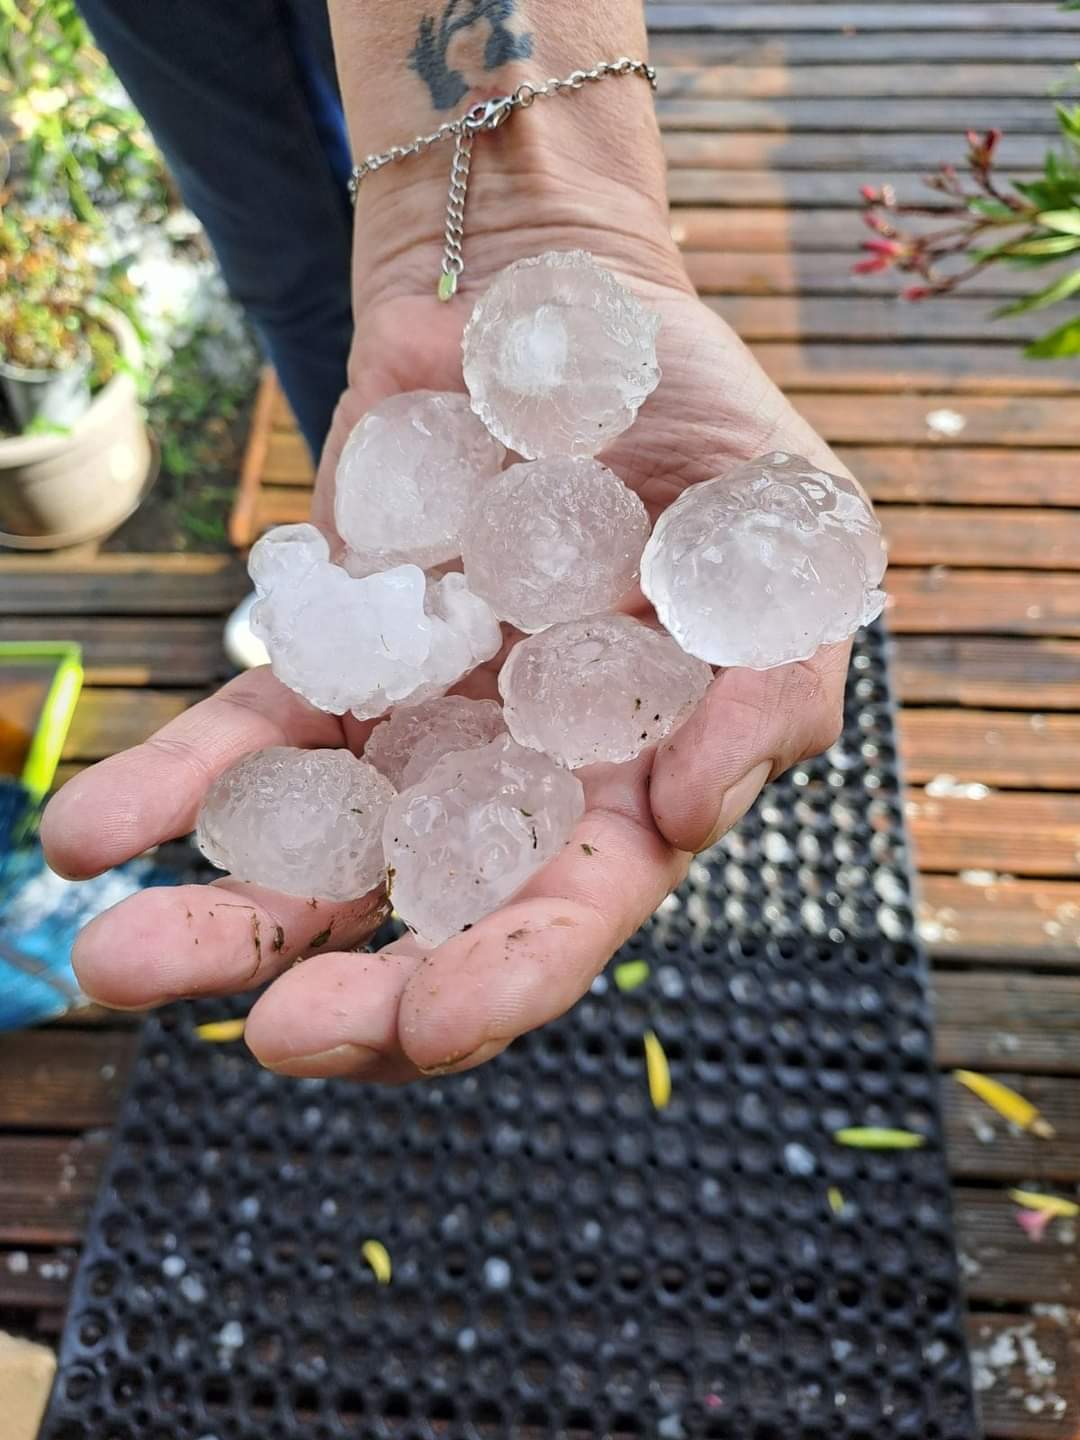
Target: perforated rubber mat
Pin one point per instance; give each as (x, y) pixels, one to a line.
(567, 1261)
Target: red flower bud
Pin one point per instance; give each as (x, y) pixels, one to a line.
(871, 194)
(884, 247)
(917, 292)
(870, 265)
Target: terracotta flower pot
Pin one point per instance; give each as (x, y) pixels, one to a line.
(58, 490)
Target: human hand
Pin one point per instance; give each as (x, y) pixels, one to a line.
(408, 1011)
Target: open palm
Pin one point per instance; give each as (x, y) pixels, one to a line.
(407, 1009)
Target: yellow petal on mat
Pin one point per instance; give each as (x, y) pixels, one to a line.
(1055, 1205)
(877, 1137)
(629, 974)
(656, 1068)
(378, 1257)
(219, 1032)
(1006, 1102)
(836, 1200)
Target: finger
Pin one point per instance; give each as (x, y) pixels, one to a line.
(151, 793)
(174, 942)
(530, 961)
(337, 1016)
(750, 727)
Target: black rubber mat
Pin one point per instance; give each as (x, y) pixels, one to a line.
(568, 1261)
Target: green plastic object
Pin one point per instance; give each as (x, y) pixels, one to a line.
(64, 659)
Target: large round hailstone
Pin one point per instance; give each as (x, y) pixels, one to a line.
(307, 822)
(407, 475)
(558, 356)
(600, 689)
(465, 838)
(553, 540)
(408, 744)
(286, 553)
(765, 564)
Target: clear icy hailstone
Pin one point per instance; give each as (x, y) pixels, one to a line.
(598, 689)
(367, 644)
(406, 477)
(766, 563)
(405, 747)
(308, 822)
(287, 552)
(558, 356)
(553, 540)
(467, 837)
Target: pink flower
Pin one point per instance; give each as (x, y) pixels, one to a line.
(1033, 1222)
(871, 194)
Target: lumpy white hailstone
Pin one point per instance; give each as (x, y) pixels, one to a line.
(407, 475)
(286, 553)
(308, 822)
(364, 644)
(765, 564)
(466, 838)
(553, 540)
(405, 747)
(600, 689)
(558, 356)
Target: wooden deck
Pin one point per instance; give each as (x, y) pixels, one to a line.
(773, 114)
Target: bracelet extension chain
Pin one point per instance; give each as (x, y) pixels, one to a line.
(484, 116)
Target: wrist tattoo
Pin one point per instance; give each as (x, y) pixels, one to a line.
(429, 55)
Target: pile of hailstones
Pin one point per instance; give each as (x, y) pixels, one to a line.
(461, 800)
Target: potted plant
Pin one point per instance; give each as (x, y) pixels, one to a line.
(75, 456)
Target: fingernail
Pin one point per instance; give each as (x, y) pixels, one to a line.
(457, 1063)
(340, 1061)
(737, 801)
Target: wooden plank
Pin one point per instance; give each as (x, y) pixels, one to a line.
(52, 1080)
(287, 459)
(895, 151)
(994, 1021)
(852, 47)
(966, 476)
(975, 917)
(47, 1186)
(881, 81)
(131, 651)
(966, 536)
(790, 116)
(880, 318)
(1002, 1265)
(1040, 421)
(829, 272)
(796, 189)
(982, 368)
(982, 1146)
(109, 720)
(1011, 832)
(241, 517)
(279, 506)
(1016, 1400)
(123, 585)
(835, 19)
(944, 601)
(759, 228)
(996, 747)
(36, 1280)
(984, 671)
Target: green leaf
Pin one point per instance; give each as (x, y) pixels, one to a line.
(1065, 221)
(1047, 246)
(1059, 290)
(878, 1137)
(1057, 344)
(994, 210)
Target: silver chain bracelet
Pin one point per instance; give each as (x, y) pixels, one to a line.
(485, 115)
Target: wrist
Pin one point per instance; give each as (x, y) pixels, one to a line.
(583, 169)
